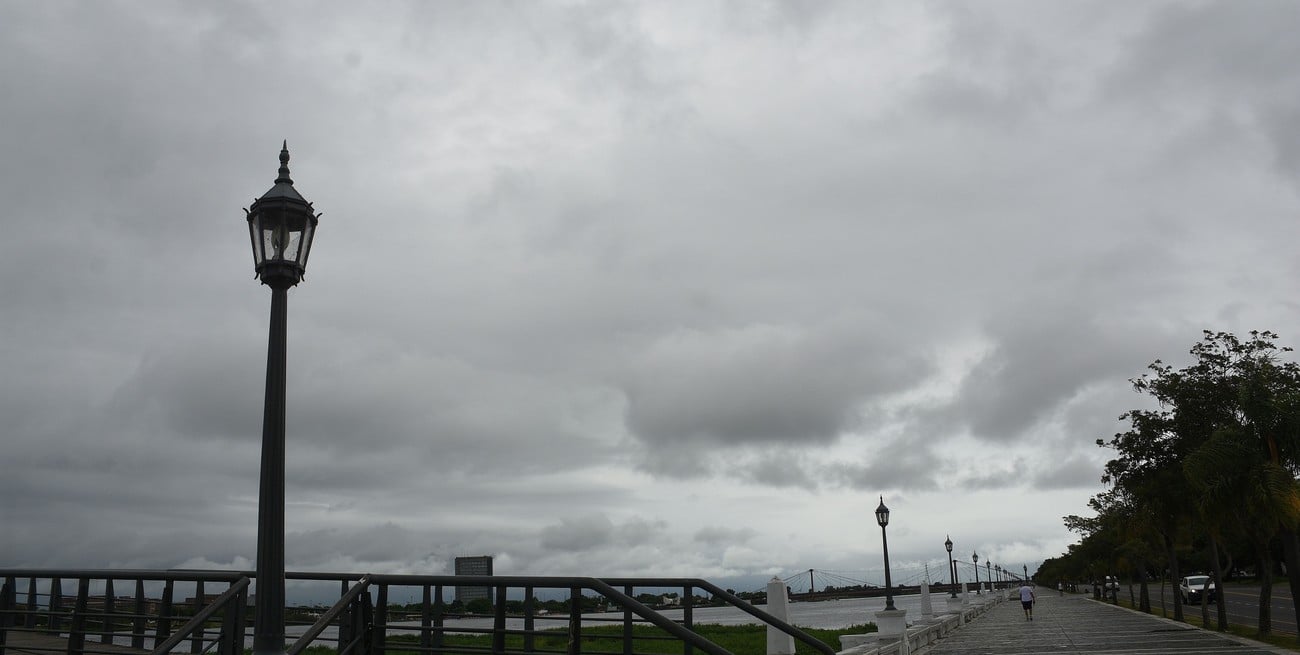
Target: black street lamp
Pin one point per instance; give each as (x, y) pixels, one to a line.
(988, 573)
(975, 557)
(952, 568)
(281, 225)
(1026, 568)
(882, 518)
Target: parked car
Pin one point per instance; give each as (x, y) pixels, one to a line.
(1192, 586)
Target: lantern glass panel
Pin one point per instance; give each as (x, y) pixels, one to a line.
(280, 243)
(305, 238)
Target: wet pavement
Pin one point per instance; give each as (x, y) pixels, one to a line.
(1075, 623)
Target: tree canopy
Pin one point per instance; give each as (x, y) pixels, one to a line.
(1207, 469)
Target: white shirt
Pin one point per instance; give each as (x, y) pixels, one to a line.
(1026, 594)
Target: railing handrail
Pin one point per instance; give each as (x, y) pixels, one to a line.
(178, 575)
(736, 602)
(328, 617)
(202, 617)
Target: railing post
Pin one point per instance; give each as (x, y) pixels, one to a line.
(365, 623)
(77, 627)
(232, 625)
(426, 618)
(164, 629)
(347, 625)
(499, 621)
(575, 621)
(55, 607)
(110, 608)
(688, 618)
(138, 623)
(439, 608)
(196, 641)
(379, 626)
(529, 622)
(30, 620)
(8, 609)
(345, 620)
(627, 622)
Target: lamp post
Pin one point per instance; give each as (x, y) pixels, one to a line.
(988, 573)
(882, 518)
(281, 225)
(998, 569)
(975, 557)
(952, 568)
(1026, 568)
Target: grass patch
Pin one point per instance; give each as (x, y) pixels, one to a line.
(646, 639)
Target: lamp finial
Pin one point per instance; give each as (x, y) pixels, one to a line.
(284, 164)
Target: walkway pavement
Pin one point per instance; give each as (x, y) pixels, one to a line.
(1076, 624)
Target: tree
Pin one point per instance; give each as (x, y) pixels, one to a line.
(1226, 435)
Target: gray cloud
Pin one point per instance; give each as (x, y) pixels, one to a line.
(627, 288)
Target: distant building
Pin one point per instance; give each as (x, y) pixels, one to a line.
(479, 565)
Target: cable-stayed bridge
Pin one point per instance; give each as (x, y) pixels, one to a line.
(822, 584)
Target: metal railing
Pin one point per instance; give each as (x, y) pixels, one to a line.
(362, 621)
(50, 620)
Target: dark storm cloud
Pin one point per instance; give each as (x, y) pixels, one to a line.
(777, 469)
(762, 383)
(595, 532)
(905, 464)
(1038, 364)
(1227, 68)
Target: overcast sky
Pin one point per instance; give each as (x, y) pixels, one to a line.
(662, 288)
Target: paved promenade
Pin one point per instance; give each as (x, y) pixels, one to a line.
(1076, 624)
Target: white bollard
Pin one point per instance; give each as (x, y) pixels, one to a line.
(778, 642)
(954, 607)
(927, 609)
(891, 624)
(965, 596)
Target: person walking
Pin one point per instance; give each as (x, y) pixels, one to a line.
(1027, 599)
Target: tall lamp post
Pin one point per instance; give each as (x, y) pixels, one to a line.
(975, 557)
(281, 225)
(988, 573)
(882, 518)
(952, 568)
(1026, 568)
